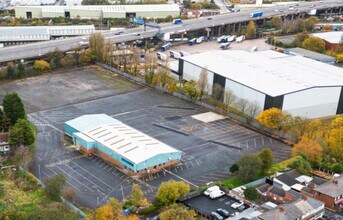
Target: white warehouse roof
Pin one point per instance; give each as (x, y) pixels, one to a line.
(120, 138)
(333, 37)
(110, 8)
(269, 72)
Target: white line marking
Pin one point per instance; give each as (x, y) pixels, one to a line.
(180, 177)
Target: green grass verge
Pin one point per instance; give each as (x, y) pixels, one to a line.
(281, 166)
(232, 182)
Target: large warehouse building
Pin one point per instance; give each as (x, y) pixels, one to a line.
(120, 144)
(24, 34)
(98, 11)
(298, 85)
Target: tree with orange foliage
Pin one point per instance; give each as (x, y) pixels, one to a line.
(335, 138)
(272, 118)
(309, 148)
(112, 210)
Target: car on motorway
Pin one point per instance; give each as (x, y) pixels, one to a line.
(136, 34)
(209, 18)
(118, 33)
(216, 216)
(276, 10)
(223, 212)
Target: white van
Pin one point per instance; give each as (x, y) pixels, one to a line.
(237, 205)
(211, 189)
(216, 194)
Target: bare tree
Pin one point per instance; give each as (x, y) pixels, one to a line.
(242, 105)
(253, 109)
(217, 92)
(229, 98)
(163, 72)
(203, 82)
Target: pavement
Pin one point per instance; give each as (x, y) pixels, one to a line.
(208, 149)
(36, 49)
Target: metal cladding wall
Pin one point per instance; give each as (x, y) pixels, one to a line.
(313, 103)
(69, 130)
(160, 160)
(192, 72)
(244, 92)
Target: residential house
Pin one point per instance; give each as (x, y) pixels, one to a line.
(302, 209)
(331, 193)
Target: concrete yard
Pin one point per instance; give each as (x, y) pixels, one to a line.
(208, 149)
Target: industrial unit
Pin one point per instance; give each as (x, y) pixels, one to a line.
(15, 35)
(98, 11)
(295, 84)
(120, 144)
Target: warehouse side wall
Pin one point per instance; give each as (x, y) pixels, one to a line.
(313, 103)
(243, 92)
(192, 72)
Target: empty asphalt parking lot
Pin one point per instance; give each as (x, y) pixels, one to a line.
(208, 148)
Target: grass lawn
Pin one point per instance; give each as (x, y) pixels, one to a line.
(232, 182)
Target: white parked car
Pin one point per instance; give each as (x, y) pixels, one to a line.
(216, 194)
(211, 189)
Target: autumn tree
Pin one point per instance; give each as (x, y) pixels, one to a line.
(97, 46)
(54, 186)
(169, 192)
(251, 30)
(272, 118)
(13, 107)
(203, 82)
(299, 39)
(250, 193)
(267, 158)
(41, 66)
(250, 165)
(314, 44)
(335, 138)
(111, 210)
(276, 22)
(311, 22)
(136, 195)
(190, 89)
(196, 7)
(54, 57)
(176, 211)
(163, 75)
(310, 149)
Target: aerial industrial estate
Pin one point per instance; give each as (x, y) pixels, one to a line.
(171, 110)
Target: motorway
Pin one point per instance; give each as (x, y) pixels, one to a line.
(41, 48)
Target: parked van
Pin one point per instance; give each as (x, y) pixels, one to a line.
(211, 189)
(237, 205)
(216, 194)
(199, 40)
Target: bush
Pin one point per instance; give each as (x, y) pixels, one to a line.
(69, 194)
(339, 58)
(2, 190)
(41, 65)
(336, 168)
(250, 193)
(301, 165)
(54, 186)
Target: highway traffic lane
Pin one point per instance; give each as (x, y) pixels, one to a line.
(30, 50)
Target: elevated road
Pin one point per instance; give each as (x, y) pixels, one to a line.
(37, 49)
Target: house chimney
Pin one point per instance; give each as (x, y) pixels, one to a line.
(281, 208)
(311, 186)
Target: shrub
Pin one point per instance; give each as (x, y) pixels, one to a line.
(336, 168)
(54, 186)
(250, 193)
(339, 58)
(41, 65)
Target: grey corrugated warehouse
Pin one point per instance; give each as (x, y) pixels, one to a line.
(298, 85)
(98, 11)
(14, 35)
(310, 54)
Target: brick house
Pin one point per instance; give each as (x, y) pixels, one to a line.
(331, 193)
(279, 195)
